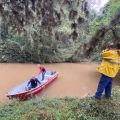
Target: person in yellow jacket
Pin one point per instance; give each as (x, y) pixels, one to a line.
(108, 69)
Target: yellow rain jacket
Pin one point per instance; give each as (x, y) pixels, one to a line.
(110, 64)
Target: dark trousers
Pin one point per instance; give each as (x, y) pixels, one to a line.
(105, 83)
(43, 75)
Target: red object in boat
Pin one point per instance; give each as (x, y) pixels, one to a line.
(21, 93)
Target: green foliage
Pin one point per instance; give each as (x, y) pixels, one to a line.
(31, 43)
(109, 14)
(63, 109)
(27, 47)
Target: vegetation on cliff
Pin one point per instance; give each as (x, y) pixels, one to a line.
(103, 30)
(55, 31)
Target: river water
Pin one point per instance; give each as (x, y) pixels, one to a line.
(75, 80)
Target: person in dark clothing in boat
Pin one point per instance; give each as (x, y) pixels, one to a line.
(33, 82)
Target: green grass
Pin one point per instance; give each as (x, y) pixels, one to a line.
(63, 109)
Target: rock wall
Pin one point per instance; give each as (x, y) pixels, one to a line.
(51, 31)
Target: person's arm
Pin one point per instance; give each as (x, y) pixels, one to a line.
(38, 81)
(28, 83)
(40, 70)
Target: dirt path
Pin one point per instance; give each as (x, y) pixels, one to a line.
(75, 80)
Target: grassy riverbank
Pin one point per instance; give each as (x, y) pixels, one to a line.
(63, 109)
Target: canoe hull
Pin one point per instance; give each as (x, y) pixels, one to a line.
(31, 93)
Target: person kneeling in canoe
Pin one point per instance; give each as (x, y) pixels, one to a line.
(33, 82)
(42, 71)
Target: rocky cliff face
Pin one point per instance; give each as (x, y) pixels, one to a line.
(38, 23)
(47, 14)
(47, 31)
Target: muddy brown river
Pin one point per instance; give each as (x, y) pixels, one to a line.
(74, 80)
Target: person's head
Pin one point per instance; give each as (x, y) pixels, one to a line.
(38, 65)
(111, 46)
(33, 78)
